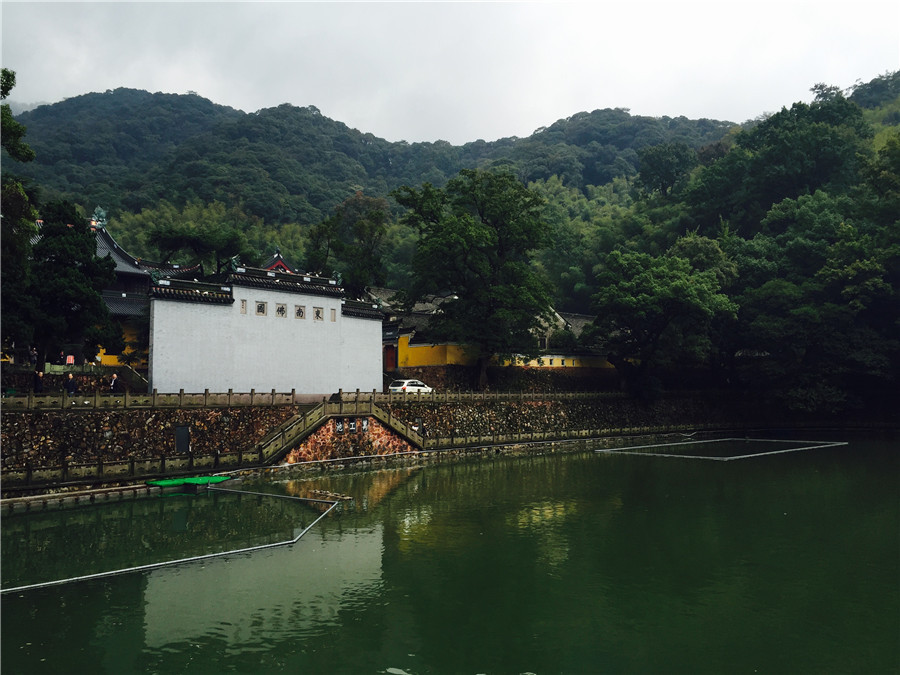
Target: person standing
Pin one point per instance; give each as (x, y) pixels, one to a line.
(114, 384)
(38, 382)
(71, 385)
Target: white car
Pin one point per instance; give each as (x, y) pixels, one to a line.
(410, 386)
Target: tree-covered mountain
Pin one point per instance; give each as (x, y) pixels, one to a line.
(126, 150)
(765, 256)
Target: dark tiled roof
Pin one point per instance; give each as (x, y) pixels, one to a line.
(577, 322)
(185, 291)
(126, 305)
(280, 281)
(107, 246)
(127, 264)
(363, 310)
(277, 261)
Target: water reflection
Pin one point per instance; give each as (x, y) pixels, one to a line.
(47, 546)
(556, 563)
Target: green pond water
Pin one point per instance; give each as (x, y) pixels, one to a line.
(576, 562)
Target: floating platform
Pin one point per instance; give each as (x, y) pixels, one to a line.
(188, 484)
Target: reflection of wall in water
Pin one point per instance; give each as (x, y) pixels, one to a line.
(50, 545)
(277, 591)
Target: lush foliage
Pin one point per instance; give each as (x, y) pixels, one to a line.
(18, 217)
(353, 240)
(67, 309)
(476, 235)
(764, 255)
(126, 150)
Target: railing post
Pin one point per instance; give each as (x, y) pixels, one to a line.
(273, 397)
(96, 399)
(229, 397)
(181, 398)
(293, 397)
(126, 398)
(206, 398)
(252, 395)
(153, 398)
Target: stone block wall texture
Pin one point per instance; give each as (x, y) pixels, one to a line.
(47, 438)
(327, 443)
(499, 417)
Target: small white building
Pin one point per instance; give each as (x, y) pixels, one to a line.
(262, 330)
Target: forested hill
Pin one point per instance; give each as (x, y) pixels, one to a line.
(764, 257)
(127, 149)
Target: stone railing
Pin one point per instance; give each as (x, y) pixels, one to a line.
(154, 399)
(206, 399)
(554, 436)
(473, 396)
(73, 473)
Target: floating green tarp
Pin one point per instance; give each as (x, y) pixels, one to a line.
(194, 480)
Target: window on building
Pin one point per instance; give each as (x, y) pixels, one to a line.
(299, 312)
(261, 308)
(333, 315)
(243, 306)
(281, 310)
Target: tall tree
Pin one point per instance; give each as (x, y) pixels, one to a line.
(13, 132)
(477, 235)
(794, 152)
(665, 166)
(352, 238)
(655, 309)
(208, 234)
(18, 217)
(65, 290)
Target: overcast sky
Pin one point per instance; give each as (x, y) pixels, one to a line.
(457, 71)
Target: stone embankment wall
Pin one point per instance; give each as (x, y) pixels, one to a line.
(606, 412)
(97, 446)
(49, 438)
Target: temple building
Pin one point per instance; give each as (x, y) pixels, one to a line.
(261, 329)
(128, 299)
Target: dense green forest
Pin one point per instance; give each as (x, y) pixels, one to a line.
(765, 254)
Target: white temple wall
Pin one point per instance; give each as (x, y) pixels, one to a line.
(265, 340)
